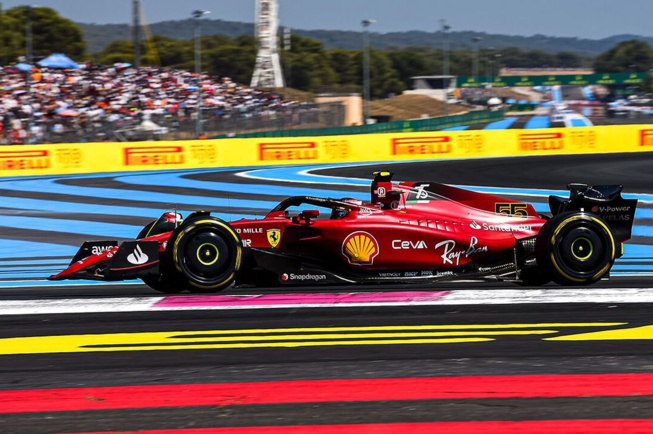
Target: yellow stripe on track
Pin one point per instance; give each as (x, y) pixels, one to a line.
(635, 333)
(278, 338)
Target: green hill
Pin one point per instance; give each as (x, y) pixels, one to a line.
(99, 36)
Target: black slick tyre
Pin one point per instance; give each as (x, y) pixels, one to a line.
(206, 253)
(575, 248)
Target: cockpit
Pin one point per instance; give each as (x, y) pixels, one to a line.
(337, 208)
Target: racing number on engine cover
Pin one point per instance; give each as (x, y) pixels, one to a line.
(511, 209)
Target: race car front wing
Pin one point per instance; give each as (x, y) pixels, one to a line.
(106, 260)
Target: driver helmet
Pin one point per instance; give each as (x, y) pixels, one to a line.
(173, 217)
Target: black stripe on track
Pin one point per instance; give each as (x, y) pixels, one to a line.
(384, 412)
(632, 170)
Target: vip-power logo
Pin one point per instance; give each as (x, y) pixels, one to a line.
(25, 160)
(422, 145)
(154, 156)
(646, 138)
(288, 151)
(541, 141)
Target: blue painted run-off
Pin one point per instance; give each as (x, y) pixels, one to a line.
(296, 174)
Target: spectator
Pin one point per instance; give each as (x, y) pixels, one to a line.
(93, 99)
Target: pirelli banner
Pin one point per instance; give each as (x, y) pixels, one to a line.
(29, 160)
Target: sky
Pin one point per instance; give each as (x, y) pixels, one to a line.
(590, 19)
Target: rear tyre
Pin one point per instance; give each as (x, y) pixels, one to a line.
(575, 248)
(206, 254)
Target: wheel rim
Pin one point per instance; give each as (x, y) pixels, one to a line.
(206, 256)
(580, 251)
(582, 248)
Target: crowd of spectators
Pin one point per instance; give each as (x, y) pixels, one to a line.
(95, 102)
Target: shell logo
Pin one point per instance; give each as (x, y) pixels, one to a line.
(360, 248)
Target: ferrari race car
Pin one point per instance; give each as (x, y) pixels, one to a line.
(408, 232)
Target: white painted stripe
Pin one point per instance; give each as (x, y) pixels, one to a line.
(548, 296)
(77, 305)
(470, 297)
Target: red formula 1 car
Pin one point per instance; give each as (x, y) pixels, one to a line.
(409, 232)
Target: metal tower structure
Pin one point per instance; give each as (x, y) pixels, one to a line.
(142, 38)
(136, 31)
(267, 72)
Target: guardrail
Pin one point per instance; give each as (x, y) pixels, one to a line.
(407, 126)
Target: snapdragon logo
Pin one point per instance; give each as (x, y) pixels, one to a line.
(289, 277)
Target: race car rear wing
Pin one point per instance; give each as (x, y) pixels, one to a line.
(603, 200)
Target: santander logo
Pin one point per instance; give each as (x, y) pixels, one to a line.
(137, 257)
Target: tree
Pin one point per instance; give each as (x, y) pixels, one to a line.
(233, 61)
(344, 64)
(172, 52)
(116, 51)
(627, 56)
(10, 41)
(310, 63)
(567, 59)
(384, 78)
(51, 33)
(411, 62)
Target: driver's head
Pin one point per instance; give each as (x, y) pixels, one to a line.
(338, 212)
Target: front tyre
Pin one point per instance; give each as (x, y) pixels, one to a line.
(206, 254)
(575, 248)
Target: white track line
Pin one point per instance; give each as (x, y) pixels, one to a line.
(474, 297)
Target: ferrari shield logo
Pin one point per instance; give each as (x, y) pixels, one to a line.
(274, 235)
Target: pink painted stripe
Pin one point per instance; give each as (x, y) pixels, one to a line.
(300, 299)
